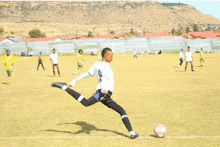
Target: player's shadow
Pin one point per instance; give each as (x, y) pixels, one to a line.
(4, 83)
(180, 70)
(50, 76)
(176, 67)
(85, 128)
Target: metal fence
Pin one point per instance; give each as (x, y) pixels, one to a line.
(142, 45)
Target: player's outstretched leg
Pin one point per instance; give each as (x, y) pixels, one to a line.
(107, 101)
(85, 102)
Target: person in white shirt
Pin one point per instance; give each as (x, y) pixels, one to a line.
(102, 70)
(189, 58)
(181, 58)
(54, 59)
(135, 54)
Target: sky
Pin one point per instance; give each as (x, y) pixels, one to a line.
(211, 7)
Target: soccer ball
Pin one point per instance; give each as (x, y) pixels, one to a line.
(160, 131)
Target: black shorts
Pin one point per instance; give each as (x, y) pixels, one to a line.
(104, 98)
(55, 64)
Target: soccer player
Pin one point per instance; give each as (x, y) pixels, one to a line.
(135, 54)
(9, 61)
(54, 58)
(80, 61)
(201, 57)
(181, 57)
(104, 90)
(40, 61)
(189, 58)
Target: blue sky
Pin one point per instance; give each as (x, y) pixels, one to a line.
(211, 7)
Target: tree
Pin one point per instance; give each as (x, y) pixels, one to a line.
(1, 30)
(195, 28)
(178, 32)
(187, 29)
(132, 31)
(36, 33)
(90, 34)
(112, 32)
(173, 31)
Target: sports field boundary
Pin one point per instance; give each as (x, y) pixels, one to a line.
(105, 137)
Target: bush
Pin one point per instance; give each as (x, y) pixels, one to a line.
(112, 32)
(90, 34)
(195, 28)
(1, 30)
(36, 33)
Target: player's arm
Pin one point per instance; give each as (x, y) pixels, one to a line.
(90, 73)
(3, 60)
(82, 76)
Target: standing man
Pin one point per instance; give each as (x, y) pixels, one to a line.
(189, 58)
(181, 57)
(54, 58)
(104, 89)
(135, 53)
(40, 61)
(201, 57)
(80, 61)
(9, 61)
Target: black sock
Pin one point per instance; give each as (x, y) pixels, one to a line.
(127, 123)
(53, 72)
(192, 68)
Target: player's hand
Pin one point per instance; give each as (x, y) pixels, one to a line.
(73, 83)
(104, 91)
(5, 64)
(12, 64)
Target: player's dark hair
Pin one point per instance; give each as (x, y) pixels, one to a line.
(80, 50)
(105, 50)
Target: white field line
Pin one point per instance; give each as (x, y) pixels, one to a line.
(105, 137)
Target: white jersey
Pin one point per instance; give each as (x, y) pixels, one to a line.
(188, 56)
(104, 74)
(134, 53)
(181, 55)
(54, 58)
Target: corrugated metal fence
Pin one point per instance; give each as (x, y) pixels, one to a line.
(143, 45)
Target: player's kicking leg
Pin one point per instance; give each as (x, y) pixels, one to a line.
(106, 100)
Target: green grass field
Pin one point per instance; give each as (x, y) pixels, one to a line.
(152, 89)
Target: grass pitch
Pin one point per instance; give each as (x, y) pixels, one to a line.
(152, 89)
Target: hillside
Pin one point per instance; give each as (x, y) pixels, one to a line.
(71, 18)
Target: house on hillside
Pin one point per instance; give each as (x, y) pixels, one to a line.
(5, 41)
(110, 36)
(201, 35)
(43, 39)
(158, 34)
(72, 37)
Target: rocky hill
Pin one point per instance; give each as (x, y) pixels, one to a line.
(71, 18)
